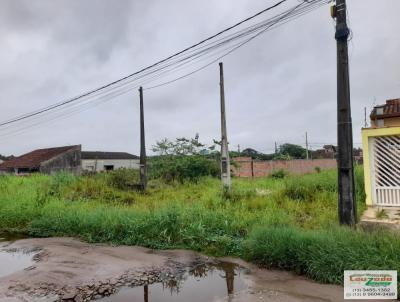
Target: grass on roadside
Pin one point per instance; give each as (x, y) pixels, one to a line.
(288, 222)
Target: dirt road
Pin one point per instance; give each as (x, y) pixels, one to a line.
(66, 269)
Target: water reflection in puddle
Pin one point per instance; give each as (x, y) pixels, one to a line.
(12, 261)
(204, 283)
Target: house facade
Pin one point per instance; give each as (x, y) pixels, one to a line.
(96, 161)
(48, 161)
(381, 149)
(68, 158)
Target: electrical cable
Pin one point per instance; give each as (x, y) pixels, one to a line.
(258, 28)
(143, 69)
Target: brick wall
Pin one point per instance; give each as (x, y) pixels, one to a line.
(246, 167)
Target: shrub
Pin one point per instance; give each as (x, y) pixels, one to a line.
(278, 174)
(238, 194)
(59, 182)
(317, 169)
(123, 179)
(183, 168)
(308, 186)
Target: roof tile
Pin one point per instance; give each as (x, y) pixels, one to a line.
(33, 159)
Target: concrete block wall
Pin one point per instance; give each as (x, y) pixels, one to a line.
(68, 161)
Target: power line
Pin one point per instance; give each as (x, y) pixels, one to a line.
(124, 85)
(232, 50)
(43, 110)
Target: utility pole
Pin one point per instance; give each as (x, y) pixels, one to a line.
(306, 146)
(239, 149)
(276, 148)
(143, 166)
(365, 117)
(346, 204)
(146, 293)
(225, 162)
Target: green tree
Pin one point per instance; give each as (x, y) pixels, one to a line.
(254, 154)
(291, 151)
(181, 146)
(183, 159)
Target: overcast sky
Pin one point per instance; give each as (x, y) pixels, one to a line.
(277, 87)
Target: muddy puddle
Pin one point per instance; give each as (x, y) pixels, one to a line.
(12, 261)
(202, 283)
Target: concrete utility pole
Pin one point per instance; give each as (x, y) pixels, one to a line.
(225, 162)
(276, 148)
(143, 166)
(347, 205)
(306, 146)
(365, 117)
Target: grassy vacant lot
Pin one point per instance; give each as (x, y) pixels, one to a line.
(288, 223)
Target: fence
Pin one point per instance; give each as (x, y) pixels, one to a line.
(247, 167)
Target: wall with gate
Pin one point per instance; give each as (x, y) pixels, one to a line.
(382, 166)
(246, 167)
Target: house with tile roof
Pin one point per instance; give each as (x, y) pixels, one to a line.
(69, 158)
(48, 161)
(386, 115)
(381, 152)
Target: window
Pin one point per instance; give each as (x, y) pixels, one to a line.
(109, 167)
(380, 123)
(379, 110)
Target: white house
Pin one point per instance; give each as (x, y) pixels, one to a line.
(96, 161)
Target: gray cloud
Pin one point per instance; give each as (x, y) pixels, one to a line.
(277, 87)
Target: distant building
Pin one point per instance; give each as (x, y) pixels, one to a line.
(68, 158)
(327, 151)
(95, 161)
(381, 149)
(47, 161)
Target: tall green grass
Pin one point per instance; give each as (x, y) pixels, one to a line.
(288, 222)
(323, 254)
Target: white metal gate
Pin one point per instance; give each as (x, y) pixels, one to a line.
(385, 162)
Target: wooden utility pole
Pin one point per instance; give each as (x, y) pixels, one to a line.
(347, 203)
(225, 162)
(146, 293)
(143, 166)
(306, 146)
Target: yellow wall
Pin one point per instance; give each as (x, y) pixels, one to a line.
(366, 134)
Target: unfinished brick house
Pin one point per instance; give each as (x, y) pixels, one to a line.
(46, 161)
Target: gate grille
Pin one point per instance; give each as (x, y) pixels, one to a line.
(386, 160)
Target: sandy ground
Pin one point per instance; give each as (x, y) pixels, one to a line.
(66, 269)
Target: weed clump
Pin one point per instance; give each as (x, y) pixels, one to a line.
(322, 254)
(279, 174)
(123, 179)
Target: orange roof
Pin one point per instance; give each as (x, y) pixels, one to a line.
(34, 159)
(390, 109)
